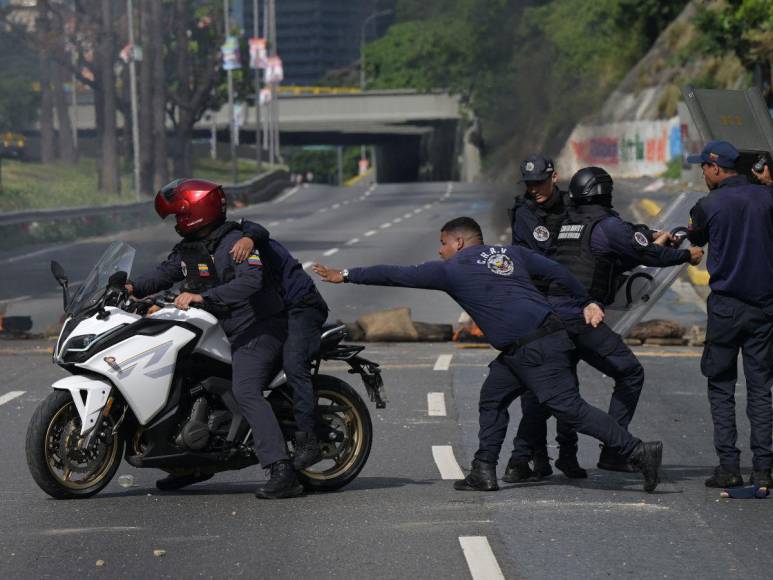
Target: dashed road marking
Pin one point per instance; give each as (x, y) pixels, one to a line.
(480, 558)
(443, 362)
(407, 216)
(369, 233)
(446, 462)
(272, 224)
(322, 210)
(336, 205)
(385, 225)
(330, 252)
(436, 404)
(417, 210)
(427, 205)
(397, 220)
(10, 396)
(352, 242)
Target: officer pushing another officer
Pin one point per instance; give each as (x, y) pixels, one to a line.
(249, 308)
(736, 220)
(493, 285)
(588, 238)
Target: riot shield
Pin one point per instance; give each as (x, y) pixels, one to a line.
(643, 286)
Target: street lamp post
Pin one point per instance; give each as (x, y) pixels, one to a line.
(230, 78)
(363, 28)
(133, 96)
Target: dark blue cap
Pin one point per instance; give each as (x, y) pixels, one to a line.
(720, 152)
(536, 168)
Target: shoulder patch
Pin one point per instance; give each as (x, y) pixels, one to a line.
(541, 233)
(641, 239)
(254, 260)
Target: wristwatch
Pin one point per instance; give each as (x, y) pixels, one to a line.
(345, 274)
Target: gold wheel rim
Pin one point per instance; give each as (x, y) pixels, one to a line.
(355, 428)
(67, 413)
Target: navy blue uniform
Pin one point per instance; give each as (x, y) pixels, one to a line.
(736, 220)
(493, 285)
(306, 313)
(536, 226)
(616, 242)
(251, 314)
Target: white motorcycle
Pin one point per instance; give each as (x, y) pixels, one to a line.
(156, 389)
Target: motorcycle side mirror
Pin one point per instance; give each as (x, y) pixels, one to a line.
(61, 278)
(58, 272)
(118, 279)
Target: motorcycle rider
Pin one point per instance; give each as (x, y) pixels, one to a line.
(306, 313)
(597, 247)
(250, 311)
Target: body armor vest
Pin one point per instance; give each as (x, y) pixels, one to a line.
(198, 261)
(573, 251)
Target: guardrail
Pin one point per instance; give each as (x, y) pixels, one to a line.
(261, 188)
(48, 226)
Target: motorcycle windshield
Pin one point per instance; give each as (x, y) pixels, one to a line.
(644, 285)
(118, 257)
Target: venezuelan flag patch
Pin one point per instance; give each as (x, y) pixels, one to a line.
(254, 260)
(203, 271)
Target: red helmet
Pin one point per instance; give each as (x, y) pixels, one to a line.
(195, 202)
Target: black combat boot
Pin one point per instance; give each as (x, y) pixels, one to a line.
(611, 460)
(518, 471)
(725, 476)
(172, 482)
(307, 451)
(647, 458)
(761, 478)
(542, 464)
(283, 482)
(483, 477)
(567, 463)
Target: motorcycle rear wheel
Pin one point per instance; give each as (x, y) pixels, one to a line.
(53, 454)
(342, 408)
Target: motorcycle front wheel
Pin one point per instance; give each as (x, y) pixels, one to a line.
(345, 414)
(56, 458)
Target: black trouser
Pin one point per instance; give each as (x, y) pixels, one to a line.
(256, 359)
(604, 350)
(732, 326)
(304, 328)
(544, 367)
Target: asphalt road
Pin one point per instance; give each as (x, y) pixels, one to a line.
(400, 518)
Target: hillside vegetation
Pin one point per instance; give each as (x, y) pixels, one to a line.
(530, 70)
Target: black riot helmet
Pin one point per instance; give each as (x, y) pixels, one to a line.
(591, 185)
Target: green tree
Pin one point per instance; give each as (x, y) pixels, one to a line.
(19, 102)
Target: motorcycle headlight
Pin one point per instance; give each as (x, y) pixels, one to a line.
(80, 343)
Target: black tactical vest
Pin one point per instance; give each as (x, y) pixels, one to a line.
(198, 261)
(573, 251)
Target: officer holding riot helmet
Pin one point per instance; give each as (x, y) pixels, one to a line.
(736, 220)
(597, 247)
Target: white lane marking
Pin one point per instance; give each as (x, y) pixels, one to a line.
(436, 404)
(346, 202)
(336, 205)
(10, 396)
(417, 210)
(272, 224)
(427, 205)
(330, 252)
(397, 220)
(56, 248)
(362, 197)
(480, 558)
(408, 215)
(322, 210)
(352, 242)
(503, 237)
(100, 530)
(307, 265)
(443, 362)
(386, 225)
(370, 233)
(446, 462)
(17, 299)
(287, 195)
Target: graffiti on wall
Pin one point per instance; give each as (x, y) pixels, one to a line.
(630, 149)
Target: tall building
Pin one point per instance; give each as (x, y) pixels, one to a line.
(318, 36)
